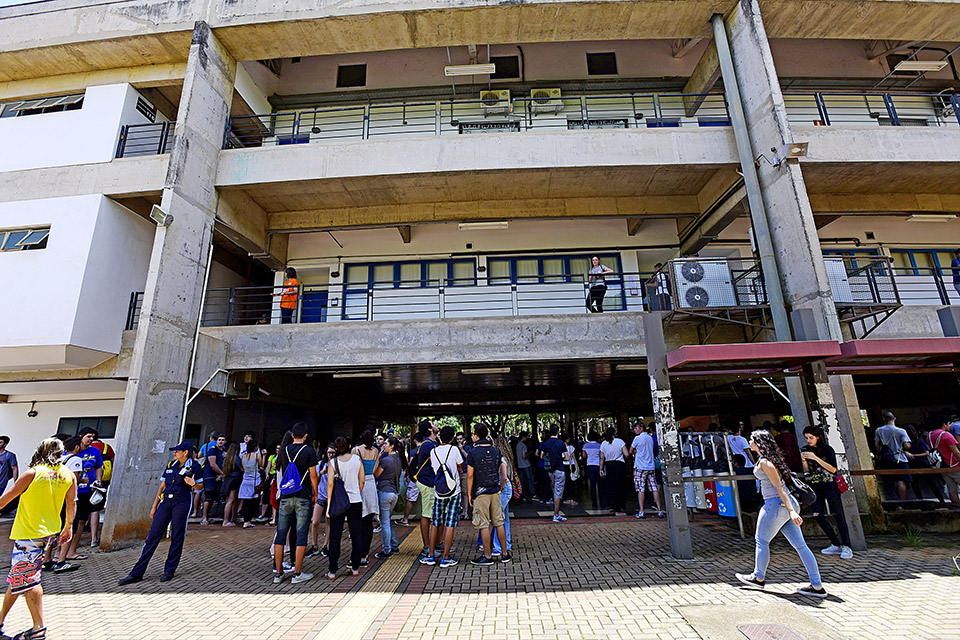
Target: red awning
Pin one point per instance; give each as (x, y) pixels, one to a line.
(748, 358)
(895, 354)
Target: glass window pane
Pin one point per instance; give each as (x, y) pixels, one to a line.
(34, 237)
(410, 274)
(945, 258)
(463, 272)
(357, 274)
(69, 426)
(382, 276)
(579, 266)
(436, 273)
(553, 267)
(92, 423)
(108, 427)
(528, 270)
(924, 259)
(498, 271)
(13, 238)
(611, 261)
(901, 259)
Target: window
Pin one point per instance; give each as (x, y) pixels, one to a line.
(24, 239)
(360, 278)
(546, 268)
(106, 426)
(602, 64)
(922, 261)
(41, 105)
(351, 75)
(507, 67)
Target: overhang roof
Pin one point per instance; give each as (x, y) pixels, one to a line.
(746, 358)
(895, 355)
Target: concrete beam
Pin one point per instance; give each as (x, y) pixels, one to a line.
(242, 221)
(702, 80)
(821, 221)
(405, 232)
(123, 178)
(154, 75)
(682, 47)
(867, 203)
(633, 225)
(715, 221)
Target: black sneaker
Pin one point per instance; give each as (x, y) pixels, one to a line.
(482, 561)
(751, 581)
(812, 592)
(324, 551)
(506, 558)
(63, 567)
(311, 552)
(382, 554)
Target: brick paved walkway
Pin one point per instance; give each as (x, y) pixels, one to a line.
(588, 578)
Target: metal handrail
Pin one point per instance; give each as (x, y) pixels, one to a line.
(831, 108)
(145, 139)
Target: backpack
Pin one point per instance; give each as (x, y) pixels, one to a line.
(934, 457)
(444, 486)
(416, 474)
(547, 462)
(886, 453)
(292, 481)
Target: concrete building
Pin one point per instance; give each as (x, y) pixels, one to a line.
(793, 163)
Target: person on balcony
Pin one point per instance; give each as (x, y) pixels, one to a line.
(659, 287)
(955, 267)
(288, 296)
(598, 285)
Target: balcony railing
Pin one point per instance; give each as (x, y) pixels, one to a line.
(145, 139)
(873, 109)
(459, 117)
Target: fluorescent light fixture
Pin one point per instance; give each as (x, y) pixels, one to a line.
(358, 374)
(631, 367)
(470, 69)
(920, 65)
(931, 217)
(480, 226)
(484, 370)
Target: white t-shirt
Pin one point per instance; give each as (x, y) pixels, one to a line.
(350, 474)
(644, 460)
(739, 444)
(440, 456)
(612, 451)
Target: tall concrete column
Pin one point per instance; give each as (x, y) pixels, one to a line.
(797, 251)
(668, 435)
(153, 406)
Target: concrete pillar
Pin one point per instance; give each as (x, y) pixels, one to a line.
(153, 406)
(668, 435)
(799, 258)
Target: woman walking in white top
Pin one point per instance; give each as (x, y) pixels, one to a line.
(348, 468)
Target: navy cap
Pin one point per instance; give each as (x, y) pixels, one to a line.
(183, 446)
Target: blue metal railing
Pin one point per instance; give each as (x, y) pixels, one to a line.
(873, 109)
(458, 117)
(145, 139)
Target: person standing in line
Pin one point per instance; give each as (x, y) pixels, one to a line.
(73, 463)
(613, 467)
(644, 470)
(524, 468)
(943, 441)
(44, 489)
(571, 472)
(413, 493)
(955, 267)
(446, 509)
(249, 493)
(554, 453)
(591, 457)
(8, 471)
(387, 472)
(232, 479)
(423, 474)
(892, 444)
(820, 463)
(171, 508)
(486, 479)
(288, 296)
(737, 443)
(786, 438)
(212, 476)
(917, 458)
(368, 454)
(349, 469)
(320, 509)
(202, 458)
(108, 454)
(780, 512)
(298, 489)
(598, 284)
(272, 482)
(92, 474)
(506, 494)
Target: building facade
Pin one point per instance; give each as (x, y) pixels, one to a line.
(440, 175)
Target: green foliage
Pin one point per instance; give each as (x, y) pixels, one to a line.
(912, 537)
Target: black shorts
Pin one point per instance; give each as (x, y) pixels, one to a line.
(211, 489)
(83, 508)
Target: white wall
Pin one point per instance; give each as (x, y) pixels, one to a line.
(97, 251)
(88, 134)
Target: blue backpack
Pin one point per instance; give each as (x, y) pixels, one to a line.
(292, 481)
(444, 486)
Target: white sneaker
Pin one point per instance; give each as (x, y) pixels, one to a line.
(846, 553)
(832, 550)
(303, 577)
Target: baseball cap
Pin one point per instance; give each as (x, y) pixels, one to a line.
(183, 446)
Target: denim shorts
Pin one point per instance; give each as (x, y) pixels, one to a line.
(293, 512)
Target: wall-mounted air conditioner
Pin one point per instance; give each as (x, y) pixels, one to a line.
(545, 101)
(703, 283)
(495, 102)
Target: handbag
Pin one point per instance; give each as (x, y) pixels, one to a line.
(801, 492)
(338, 502)
(517, 487)
(842, 484)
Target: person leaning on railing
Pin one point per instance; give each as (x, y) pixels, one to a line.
(288, 296)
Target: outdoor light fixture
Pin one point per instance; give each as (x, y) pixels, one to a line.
(920, 65)
(358, 374)
(160, 217)
(480, 226)
(931, 217)
(478, 372)
(469, 69)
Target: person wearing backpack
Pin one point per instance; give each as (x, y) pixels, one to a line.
(486, 478)
(942, 441)
(297, 464)
(446, 462)
(423, 474)
(554, 454)
(892, 444)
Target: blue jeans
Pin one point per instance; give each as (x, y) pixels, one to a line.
(388, 534)
(526, 479)
(593, 473)
(774, 517)
(505, 494)
(294, 512)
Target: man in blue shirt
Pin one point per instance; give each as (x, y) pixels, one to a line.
(554, 452)
(89, 478)
(955, 266)
(422, 473)
(212, 476)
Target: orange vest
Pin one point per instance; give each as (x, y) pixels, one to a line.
(289, 298)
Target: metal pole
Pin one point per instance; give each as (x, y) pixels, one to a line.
(733, 483)
(196, 339)
(758, 215)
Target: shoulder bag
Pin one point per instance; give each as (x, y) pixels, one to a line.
(801, 491)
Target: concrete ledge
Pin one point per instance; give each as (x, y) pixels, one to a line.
(124, 177)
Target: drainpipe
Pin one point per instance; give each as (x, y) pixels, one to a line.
(758, 213)
(196, 340)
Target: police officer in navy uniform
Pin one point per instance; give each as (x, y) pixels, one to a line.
(170, 507)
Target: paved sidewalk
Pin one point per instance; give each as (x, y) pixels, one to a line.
(596, 579)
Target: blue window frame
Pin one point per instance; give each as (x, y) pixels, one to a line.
(360, 277)
(922, 261)
(851, 255)
(549, 268)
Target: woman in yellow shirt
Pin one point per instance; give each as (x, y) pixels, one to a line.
(44, 489)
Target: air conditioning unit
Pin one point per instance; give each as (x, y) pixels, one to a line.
(545, 101)
(703, 283)
(838, 279)
(495, 102)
